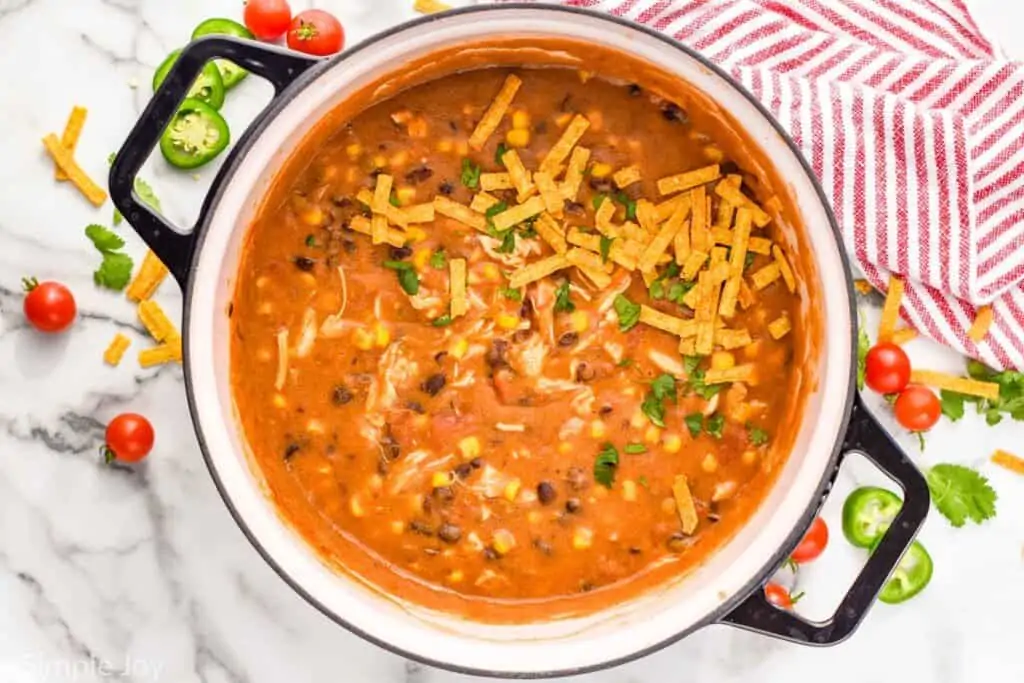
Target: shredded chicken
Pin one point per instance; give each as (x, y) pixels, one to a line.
(282, 359)
(308, 336)
(395, 370)
(491, 483)
(618, 287)
(550, 386)
(464, 381)
(528, 358)
(614, 350)
(723, 490)
(712, 406)
(334, 324)
(542, 296)
(506, 427)
(570, 428)
(583, 402)
(424, 300)
(671, 365)
(415, 465)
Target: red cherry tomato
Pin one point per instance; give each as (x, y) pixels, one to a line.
(778, 596)
(49, 306)
(887, 368)
(917, 408)
(316, 32)
(129, 438)
(268, 19)
(813, 543)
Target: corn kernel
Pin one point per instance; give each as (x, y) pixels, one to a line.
(397, 527)
(406, 195)
(315, 427)
(418, 127)
(470, 447)
(601, 170)
(565, 448)
(503, 541)
(562, 120)
(421, 258)
(446, 145)
(416, 234)
(534, 517)
(356, 507)
(722, 360)
(354, 151)
(402, 117)
(512, 490)
(456, 576)
(458, 348)
(381, 335)
(520, 119)
(629, 490)
(596, 119)
(308, 280)
(313, 216)
(652, 435)
(491, 272)
(507, 321)
(668, 506)
(710, 463)
(375, 482)
(672, 443)
(380, 161)
(579, 321)
(598, 430)
(440, 479)
(279, 401)
(629, 391)
(399, 159)
(420, 422)
(585, 75)
(637, 421)
(462, 147)
(518, 137)
(582, 538)
(363, 339)
(713, 154)
(749, 457)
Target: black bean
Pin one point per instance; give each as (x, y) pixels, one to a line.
(434, 384)
(446, 188)
(543, 546)
(586, 586)
(574, 208)
(463, 470)
(454, 127)
(577, 478)
(348, 245)
(375, 172)
(491, 554)
(476, 463)
(416, 407)
(714, 517)
(730, 167)
(635, 90)
(526, 309)
(444, 494)
(291, 449)
(392, 449)
(342, 395)
(440, 356)
(573, 505)
(520, 336)
(304, 263)
(601, 185)
(449, 533)
(568, 339)
(341, 201)
(566, 103)
(419, 174)
(399, 253)
(585, 372)
(421, 528)
(605, 410)
(546, 492)
(633, 550)
(495, 356)
(541, 127)
(673, 112)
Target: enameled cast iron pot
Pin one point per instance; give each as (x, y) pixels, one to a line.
(727, 587)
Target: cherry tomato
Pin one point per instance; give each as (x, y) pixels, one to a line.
(268, 19)
(49, 306)
(917, 408)
(316, 32)
(813, 543)
(129, 438)
(887, 368)
(778, 596)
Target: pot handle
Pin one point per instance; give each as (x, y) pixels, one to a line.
(174, 245)
(866, 437)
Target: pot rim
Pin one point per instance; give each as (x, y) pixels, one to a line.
(270, 113)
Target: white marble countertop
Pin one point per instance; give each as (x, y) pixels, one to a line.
(142, 575)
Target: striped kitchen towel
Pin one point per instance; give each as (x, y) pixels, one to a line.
(913, 122)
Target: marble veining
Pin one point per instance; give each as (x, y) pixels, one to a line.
(111, 573)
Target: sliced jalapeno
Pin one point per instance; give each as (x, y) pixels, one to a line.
(867, 513)
(230, 73)
(208, 86)
(195, 135)
(912, 574)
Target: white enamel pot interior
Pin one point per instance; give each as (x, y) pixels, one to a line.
(557, 646)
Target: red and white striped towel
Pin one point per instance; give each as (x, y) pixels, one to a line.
(913, 122)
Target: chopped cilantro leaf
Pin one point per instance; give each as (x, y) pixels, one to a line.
(598, 200)
(624, 363)
(438, 260)
(953, 404)
(628, 312)
(671, 271)
(657, 290)
(714, 425)
(606, 247)
(398, 265)
(115, 271)
(748, 260)
(470, 174)
(512, 294)
(407, 278)
(690, 363)
(705, 391)
(961, 494)
(443, 320)
(653, 409)
(310, 241)
(103, 239)
(635, 448)
(500, 153)
(605, 465)
(508, 242)
(755, 435)
(562, 302)
(642, 480)
(863, 346)
(695, 423)
(496, 209)
(393, 200)
(678, 290)
(629, 204)
(664, 386)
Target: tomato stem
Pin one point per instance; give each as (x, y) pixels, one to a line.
(29, 283)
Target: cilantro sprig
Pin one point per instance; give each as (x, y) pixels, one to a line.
(628, 312)
(961, 494)
(605, 465)
(662, 388)
(1010, 401)
(562, 302)
(115, 271)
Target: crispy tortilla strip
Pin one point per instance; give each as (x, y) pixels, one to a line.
(361, 224)
(162, 354)
(689, 180)
(460, 213)
(115, 352)
(518, 214)
(739, 373)
(659, 244)
(495, 113)
(379, 228)
(634, 233)
(393, 213)
(625, 177)
(758, 245)
(65, 162)
(551, 232)
(1008, 461)
(483, 201)
(694, 262)
(549, 192)
(647, 216)
(148, 277)
(419, 213)
(863, 287)
(982, 321)
(961, 385)
(737, 258)
(457, 287)
(382, 194)
(731, 193)
(603, 218)
(684, 504)
(766, 275)
(780, 327)
(891, 309)
(156, 322)
(688, 346)
(692, 298)
(773, 204)
(719, 272)
(901, 337)
(668, 323)
(519, 175)
(574, 173)
(663, 211)
(725, 215)
(622, 252)
(719, 255)
(490, 182)
(700, 237)
(649, 276)
(746, 295)
(69, 138)
(732, 339)
(537, 270)
(784, 268)
(430, 6)
(706, 312)
(588, 260)
(682, 247)
(557, 155)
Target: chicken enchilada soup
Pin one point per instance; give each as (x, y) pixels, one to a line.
(520, 341)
